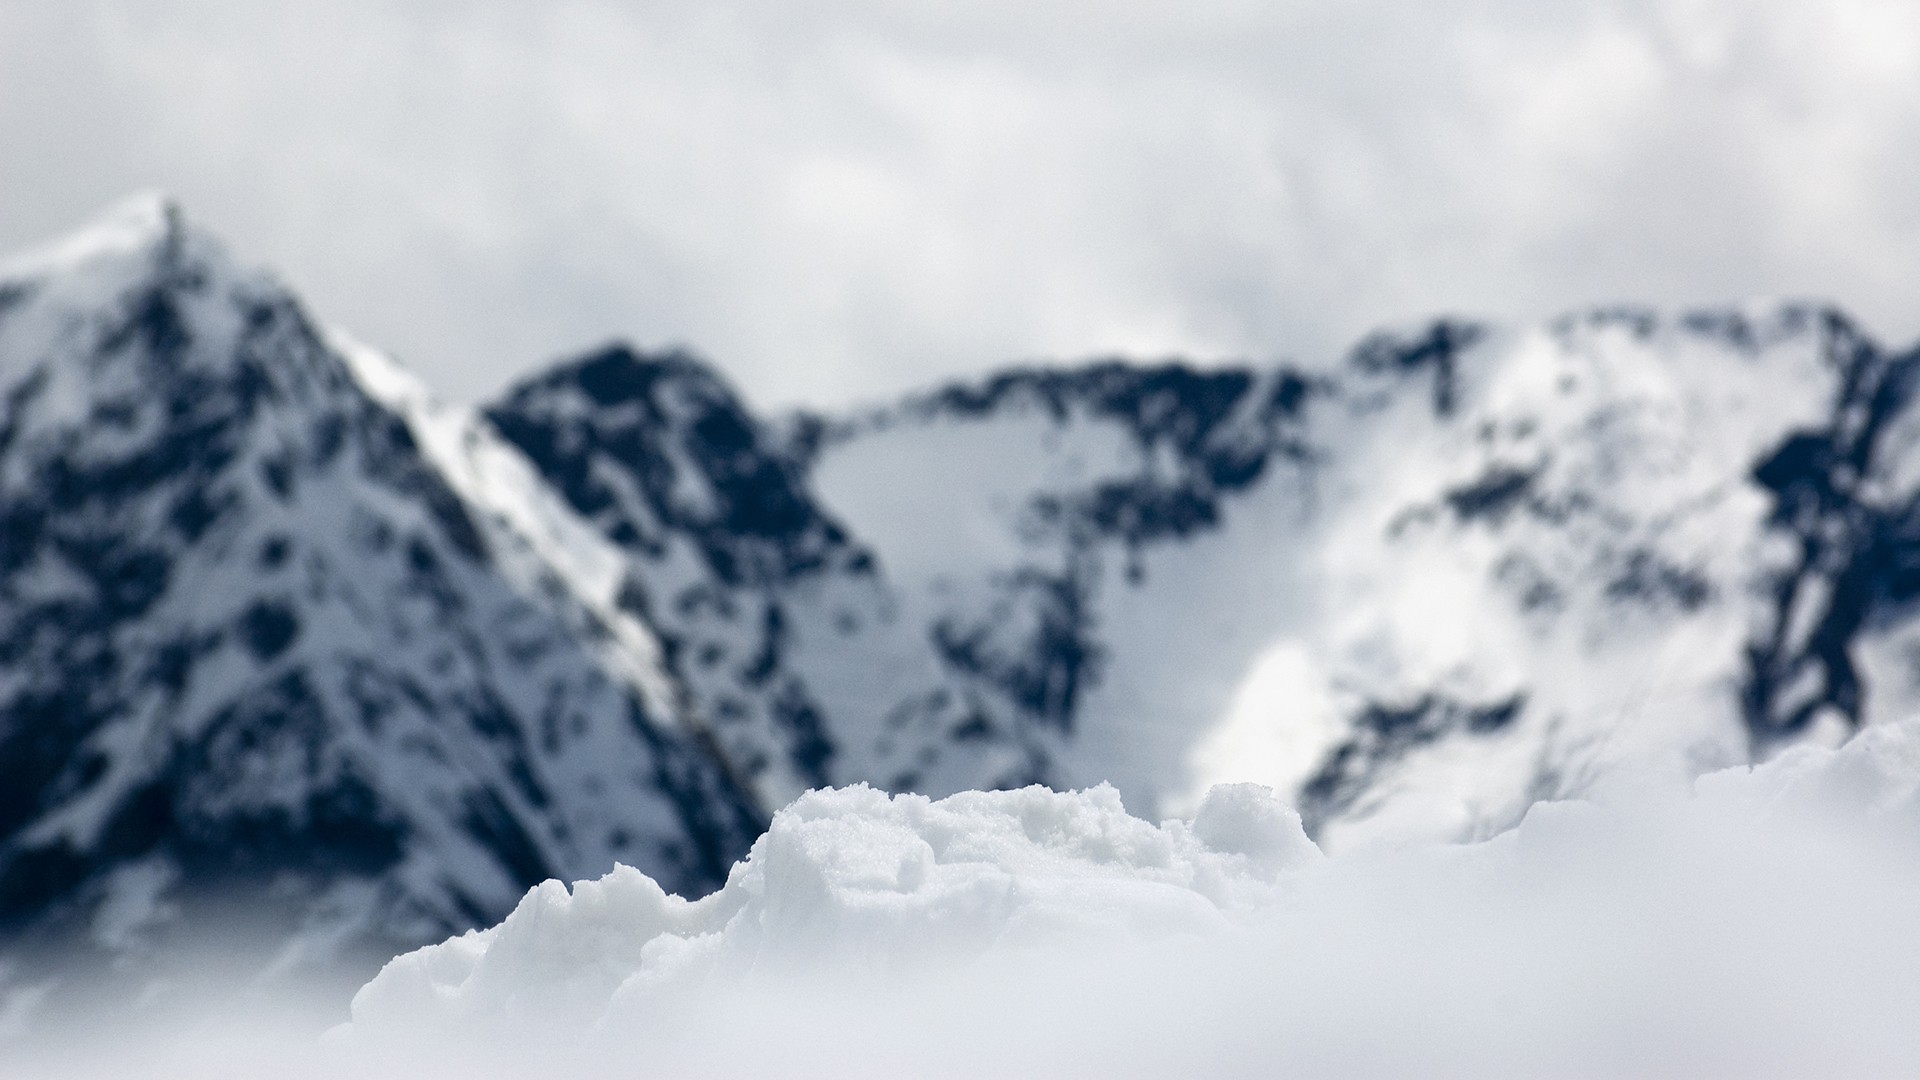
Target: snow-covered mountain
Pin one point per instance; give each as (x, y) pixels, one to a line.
(1091, 552)
(275, 624)
(283, 646)
(1465, 569)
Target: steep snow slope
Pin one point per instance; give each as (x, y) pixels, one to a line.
(252, 636)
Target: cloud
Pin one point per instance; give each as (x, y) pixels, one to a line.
(838, 201)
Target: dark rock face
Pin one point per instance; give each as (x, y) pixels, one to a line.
(1434, 352)
(252, 639)
(1384, 734)
(1857, 541)
(693, 464)
(660, 456)
(1220, 429)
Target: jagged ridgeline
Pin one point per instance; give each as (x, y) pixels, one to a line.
(276, 625)
(958, 657)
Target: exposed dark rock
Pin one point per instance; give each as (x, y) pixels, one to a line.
(1435, 350)
(1857, 548)
(1492, 496)
(1384, 734)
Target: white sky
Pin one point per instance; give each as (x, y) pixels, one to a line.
(839, 201)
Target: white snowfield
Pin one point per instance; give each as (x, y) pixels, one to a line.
(1758, 925)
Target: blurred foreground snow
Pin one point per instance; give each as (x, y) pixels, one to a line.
(1759, 925)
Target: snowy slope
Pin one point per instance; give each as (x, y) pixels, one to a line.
(263, 629)
(1466, 570)
(1545, 554)
(1064, 536)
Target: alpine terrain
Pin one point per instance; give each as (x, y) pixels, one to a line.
(276, 648)
(282, 635)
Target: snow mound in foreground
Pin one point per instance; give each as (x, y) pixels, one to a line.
(1757, 925)
(859, 884)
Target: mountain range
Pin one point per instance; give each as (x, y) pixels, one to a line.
(291, 650)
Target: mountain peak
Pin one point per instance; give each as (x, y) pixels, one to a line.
(253, 630)
(140, 307)
(616, 373)
(146, 222)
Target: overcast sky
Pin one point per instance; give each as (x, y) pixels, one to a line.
(839, 201)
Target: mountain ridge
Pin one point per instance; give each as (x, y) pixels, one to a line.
(254, 635)
(273, 618)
